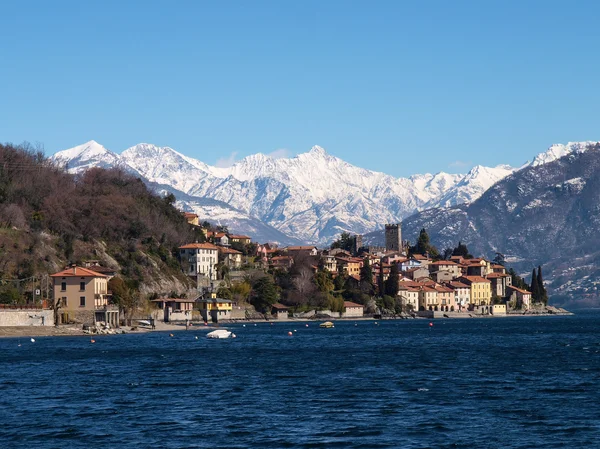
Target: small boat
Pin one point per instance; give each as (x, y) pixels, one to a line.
(144, 323)
(327, 324)
(220, 333)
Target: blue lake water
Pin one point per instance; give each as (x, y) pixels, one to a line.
(479, 383)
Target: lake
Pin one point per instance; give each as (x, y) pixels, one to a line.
(463, 383)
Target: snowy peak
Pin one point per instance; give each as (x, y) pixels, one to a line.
(558, 150)
(87, 155)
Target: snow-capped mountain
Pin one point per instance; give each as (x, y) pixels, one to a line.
(311, 197)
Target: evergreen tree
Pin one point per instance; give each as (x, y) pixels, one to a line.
(462, 250)
(264, 294)
(392, 284)
(517, 280)
(366, 278)
(423, 244)
(543, 294)
(534, 287)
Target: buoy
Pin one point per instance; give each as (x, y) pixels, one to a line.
(355, 324)
(271, 324)
(255, 324)
(196, 337)
(205, 323)
(32, 340)
(244, 325)
(92, 341)
(375, 323)
(290, 333)
(295, 330)
(430, 324)
(307, 325)
(170, 335)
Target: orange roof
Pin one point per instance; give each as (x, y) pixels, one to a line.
(456, 284)
(497, 275)
(408, 288)
(520, 290)
(239, 237)
(352, 304)
(277, 258)
(190, 215)
(77, 272)
(278, 305)
(428, 289)
(199, 246)
(301, 248)
(443, 289)
(228, 250)
(419, 257)
(443, 262)
(474, 279)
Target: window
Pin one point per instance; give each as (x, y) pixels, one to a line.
(82, 286)
(63, 286)
(82, 301)
(64, 301)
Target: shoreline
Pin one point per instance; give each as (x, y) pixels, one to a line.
(77, 330)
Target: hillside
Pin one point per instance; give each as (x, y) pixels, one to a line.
(49, 219)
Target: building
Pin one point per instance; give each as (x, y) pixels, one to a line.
(199, 259)
(329, 263)
(357, 244)
(409, 297)
(442, 276)
(84, 296)
(191, 218)
(393, 237)
(500, 282)
(215, 309)
(428, 298)
(243, 239)
(520, 299)
(481, 290)
(352, 310)
(446, 298)
(349, 265)
(175, 309)
(462, 294)
(446, 265)
(279, 311)
(295, 251)
(283, 262)
(230, 257)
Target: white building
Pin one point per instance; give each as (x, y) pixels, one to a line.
(201, 259)
(462, 294)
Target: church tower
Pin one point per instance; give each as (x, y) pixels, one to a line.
(393, 237)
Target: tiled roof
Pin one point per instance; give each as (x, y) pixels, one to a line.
(443, 262)
(352, 304)
(199, 246)
(456, 284)
(473, 279)
(224, 250)
(279, 306)
(239, 237)
(78, 272)
(300, 248)
(520, 290)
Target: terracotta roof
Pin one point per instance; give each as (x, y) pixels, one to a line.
(497, 275)
(474, 279)
(428, 289)
(278, 258)
(78, 272)
(190, 215)
(301, 248)
(199, 246)
(279, 306)
(239, 237)
(443, 289)
(352, 304)
(498, 266)
(419, 257)
(443, 262)
(456, 284)
(228, 250)
(408, 288)
(520, 290)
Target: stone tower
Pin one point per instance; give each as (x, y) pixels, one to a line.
(357, 244)
(393, 237)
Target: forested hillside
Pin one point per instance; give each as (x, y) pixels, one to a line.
(49, 218)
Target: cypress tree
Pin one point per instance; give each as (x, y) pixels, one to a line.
(392, 284)
(543, 294)
(366, 277)
(535, 297)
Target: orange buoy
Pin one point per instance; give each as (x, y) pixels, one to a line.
(92, 341)
(290, 333)
(430, 324)
(170, 335)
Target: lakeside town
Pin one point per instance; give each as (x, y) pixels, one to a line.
(235, 279)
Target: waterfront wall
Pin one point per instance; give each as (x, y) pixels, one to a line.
(32, 317)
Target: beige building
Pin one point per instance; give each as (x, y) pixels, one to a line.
(409, 296)
(445, 265)
(230, 257)
(428, 298)
(83, 290)
(352, 310)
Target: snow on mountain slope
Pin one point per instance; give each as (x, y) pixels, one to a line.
(90, 154)
(310, 197)
(558, 150)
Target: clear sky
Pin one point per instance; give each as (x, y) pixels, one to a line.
(400, 87)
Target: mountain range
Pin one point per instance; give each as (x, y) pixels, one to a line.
(309, 198)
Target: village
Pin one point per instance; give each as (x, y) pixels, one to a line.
(224, 262)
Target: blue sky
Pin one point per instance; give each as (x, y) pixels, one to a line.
(399, 87)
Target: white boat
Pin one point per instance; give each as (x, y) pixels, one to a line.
(220, 333)
(144, 323)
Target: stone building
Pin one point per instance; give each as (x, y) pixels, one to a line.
(393, 237)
